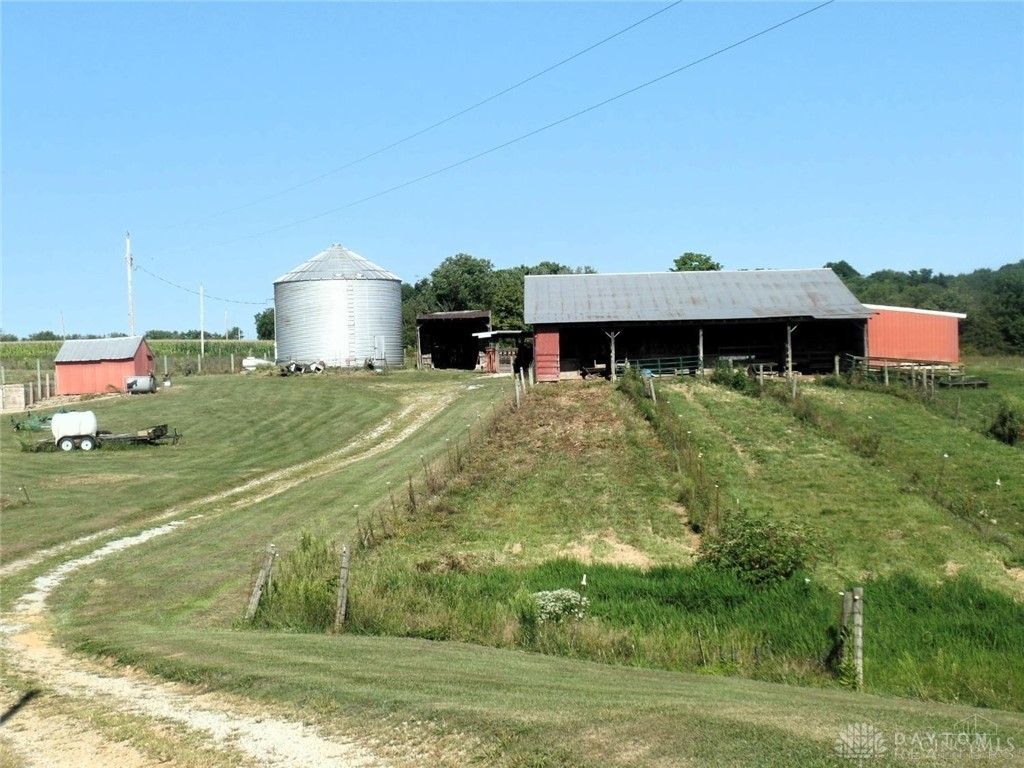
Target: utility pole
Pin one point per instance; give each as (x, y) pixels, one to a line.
(128, 264)
(202, 330)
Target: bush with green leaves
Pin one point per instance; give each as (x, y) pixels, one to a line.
(758, 550)
(734, 378)
(1008, 425)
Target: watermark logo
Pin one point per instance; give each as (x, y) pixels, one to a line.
(972, 739)
(860, 741)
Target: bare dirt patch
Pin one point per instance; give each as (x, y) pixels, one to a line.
(606, 548)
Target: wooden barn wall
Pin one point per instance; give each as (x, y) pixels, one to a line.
(546, 354)
(914, 336)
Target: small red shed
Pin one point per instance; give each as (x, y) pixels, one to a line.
(94, 366)
(915, 335)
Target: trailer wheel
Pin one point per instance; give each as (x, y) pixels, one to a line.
(87, 443)
(66, 444)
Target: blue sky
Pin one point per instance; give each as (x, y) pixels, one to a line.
(889, 135)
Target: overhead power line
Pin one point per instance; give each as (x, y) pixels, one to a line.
(510, 142)
(195, 292)
(438, 124)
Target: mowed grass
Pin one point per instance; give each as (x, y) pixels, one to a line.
(903, 507)
(449, 704)
(604, 491)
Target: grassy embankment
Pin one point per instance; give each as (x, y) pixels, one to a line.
(566, 476)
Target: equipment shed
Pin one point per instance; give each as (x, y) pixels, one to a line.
(450, 339)
(913, 335)
(94, 366)
(787, 319)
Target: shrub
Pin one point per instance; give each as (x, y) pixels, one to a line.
(757, 550)
(1008, 425)
(555, 605)
(734, 378)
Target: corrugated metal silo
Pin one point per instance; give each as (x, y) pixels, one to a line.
(339, 308)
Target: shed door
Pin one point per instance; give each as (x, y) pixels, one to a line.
(546, 354)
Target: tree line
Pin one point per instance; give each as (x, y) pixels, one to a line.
(233, 334)
(992, 299)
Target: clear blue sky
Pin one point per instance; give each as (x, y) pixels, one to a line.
(889, 135)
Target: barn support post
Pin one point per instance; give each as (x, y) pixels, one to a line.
(836, 361)
(419, 348)
(700, 350)
(611, 361)
(789, 349)
(885, 372)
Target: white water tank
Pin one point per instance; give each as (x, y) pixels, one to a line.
(341, 309)
(73, 424)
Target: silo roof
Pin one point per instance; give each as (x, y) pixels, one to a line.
(337, 263)
(689, 296)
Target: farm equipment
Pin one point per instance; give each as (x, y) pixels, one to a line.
(78, 429)
(33, 422)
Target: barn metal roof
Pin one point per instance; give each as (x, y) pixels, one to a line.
(462, 314)
(94, 350)
(337, 263)
(689, 296)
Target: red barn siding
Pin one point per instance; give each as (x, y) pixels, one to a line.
(96, 377)
(909, 334)
(546, 354)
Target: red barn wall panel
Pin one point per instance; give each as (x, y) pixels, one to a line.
(96, 377)
(546, 354)
(914, 335)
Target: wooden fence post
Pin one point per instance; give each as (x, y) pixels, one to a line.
(518, 397)
(341, 607)
(261, 580)
(858, 635)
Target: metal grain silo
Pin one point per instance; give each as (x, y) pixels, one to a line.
(339, 308)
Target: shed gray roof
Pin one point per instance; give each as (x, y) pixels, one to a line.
(689, 296)
(337, 263)
(94, 350)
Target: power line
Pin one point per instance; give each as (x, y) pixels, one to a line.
(438, 124)
(510, 142)
(197, 293)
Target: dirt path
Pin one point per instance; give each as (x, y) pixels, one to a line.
(64, 730)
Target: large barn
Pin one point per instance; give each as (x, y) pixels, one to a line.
(94, 366)
(787, 319)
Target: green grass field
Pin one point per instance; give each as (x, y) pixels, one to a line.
(575, 481)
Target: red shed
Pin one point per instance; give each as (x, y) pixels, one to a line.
(918, 335)
(93, 366)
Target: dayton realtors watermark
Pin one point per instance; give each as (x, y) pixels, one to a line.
(973, 739)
